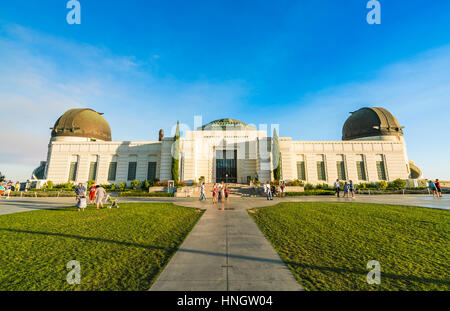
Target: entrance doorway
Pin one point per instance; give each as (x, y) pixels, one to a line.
(226, 166)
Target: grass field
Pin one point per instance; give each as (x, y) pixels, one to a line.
(118, 249)
(328, 245)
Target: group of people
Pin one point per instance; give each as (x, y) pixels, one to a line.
(270, 190)
(7, 187)
(348, 188)
(97, 195)
(220, 192)
(435, 187)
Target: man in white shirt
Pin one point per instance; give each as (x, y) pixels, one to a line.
(202, 195)
(337, 187)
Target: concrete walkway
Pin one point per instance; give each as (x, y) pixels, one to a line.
(226, 251)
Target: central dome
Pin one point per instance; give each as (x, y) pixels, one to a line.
(227, 124)
(370, 122)
(83, 122)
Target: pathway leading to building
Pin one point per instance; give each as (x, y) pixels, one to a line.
(226, 251)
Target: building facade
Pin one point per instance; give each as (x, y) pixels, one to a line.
(81, 149)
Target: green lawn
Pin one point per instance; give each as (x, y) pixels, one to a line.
(327, 245)
(118, 249)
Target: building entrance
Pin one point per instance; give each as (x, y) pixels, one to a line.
(226, 166)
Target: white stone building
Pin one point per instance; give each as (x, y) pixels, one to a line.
(81, 149)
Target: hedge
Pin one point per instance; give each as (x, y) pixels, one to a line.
(145, 194)
(310, 192)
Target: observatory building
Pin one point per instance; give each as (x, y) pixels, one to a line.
(372, 149)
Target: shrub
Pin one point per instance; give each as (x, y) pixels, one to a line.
(113, 187)
(382, 185)
(180, 184)
(90, 183)
(135, 184)
(399, 184)
(295, 183)
(145, 185)
(48, 185)
(145, 194)
(122, 186)
(201, 179)
(309, 186)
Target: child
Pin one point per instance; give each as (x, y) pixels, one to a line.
(82, 203)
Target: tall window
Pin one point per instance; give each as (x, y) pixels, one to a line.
(321, 173)
(73, 171)
(112, 171)
(361, 167)
(301, 170)
(381, 167)
(132, 170)
(92, 171)
(341, 168)
(151, 173)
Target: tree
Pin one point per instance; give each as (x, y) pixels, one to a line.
(176, 155)
(276, 156)
(2, 177)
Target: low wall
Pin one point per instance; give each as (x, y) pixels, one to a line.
(294, 189)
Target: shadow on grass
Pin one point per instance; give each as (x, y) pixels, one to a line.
(78, 237)
(292, 264)
(363, 273)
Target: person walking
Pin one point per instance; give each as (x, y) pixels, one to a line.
(352, 189)
(222, 191)
(337, 187)
(268, 191)
(202, 190)
(438, 188)
(100, 194)
(282, 187)
(432, 186)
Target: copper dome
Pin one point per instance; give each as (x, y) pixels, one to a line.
(369, 122)
(82, 123)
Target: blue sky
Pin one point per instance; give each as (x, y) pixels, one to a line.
(301, 64)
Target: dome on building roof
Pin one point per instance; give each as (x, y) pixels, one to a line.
(82, 122)
(227, 124)
(369, 122)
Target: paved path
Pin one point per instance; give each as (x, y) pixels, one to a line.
(226, 251)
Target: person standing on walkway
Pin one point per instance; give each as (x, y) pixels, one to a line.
(214, 194)
(337, 187)
(2, 189)
(202, 190)
(433, 189)
(227, 193)
(346, 189)
(438, 188)
(100, 194)
(17, 187)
